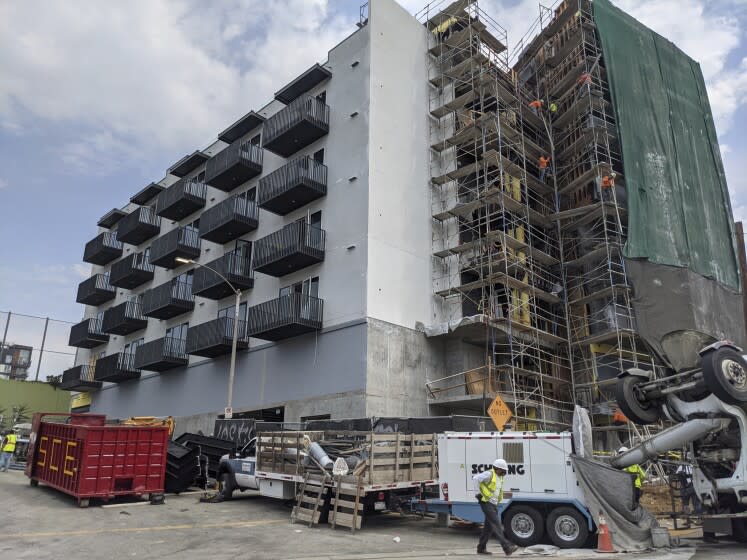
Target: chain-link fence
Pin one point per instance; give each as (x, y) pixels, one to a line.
(34, 347)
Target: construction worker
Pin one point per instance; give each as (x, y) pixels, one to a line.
(638, 473)
(8, 448)
(489, 492)
(542, 164)
(536, 106)
(608, 183)
(584, 79)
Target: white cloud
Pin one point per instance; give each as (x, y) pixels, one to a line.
(131, 77)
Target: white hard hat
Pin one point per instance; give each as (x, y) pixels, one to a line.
(500, 464)
(623, 449)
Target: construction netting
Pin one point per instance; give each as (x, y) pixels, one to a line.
(680, 255)
(678, 200)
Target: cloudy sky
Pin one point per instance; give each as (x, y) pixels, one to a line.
(98, 98)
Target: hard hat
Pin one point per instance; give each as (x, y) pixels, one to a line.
(500, 464)
(623, 449)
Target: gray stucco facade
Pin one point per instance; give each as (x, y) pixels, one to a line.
(375, 279)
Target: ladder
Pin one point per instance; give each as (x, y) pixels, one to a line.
(309, 498)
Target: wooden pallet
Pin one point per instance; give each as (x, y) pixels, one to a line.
(346, 505)
(310, 498)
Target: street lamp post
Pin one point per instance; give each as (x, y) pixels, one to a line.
(232, 371)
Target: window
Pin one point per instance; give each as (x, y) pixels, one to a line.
(256, 140)
(228, 311)
(130, 347)
(316, 417)
(319, 156)
(315, 219)
(322, 97)
(178, 332)
(251, 194)
(310, 287)
(201, 177)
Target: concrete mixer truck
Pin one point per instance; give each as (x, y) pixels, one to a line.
(707, 405)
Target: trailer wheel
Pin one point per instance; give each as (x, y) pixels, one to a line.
(523, 525)
(725, 374)
(33, 482)
(567, 528)
(629, 400)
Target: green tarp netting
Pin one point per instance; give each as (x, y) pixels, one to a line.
(679, 212)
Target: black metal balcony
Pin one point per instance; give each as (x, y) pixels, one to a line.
(161, 354)
(230, 219)
(183, 242)
(233, 166)
(181, 199)
(168, 300)
(124, 318)
(285, 317)
(102, 249)
(138, 226)
(87, 334)
(95, 290)
(292, 186)
(79, 378)
(235, 267)
(303, 121)
(131, 272)
(215, 337)
(292, 248)
(116, 368)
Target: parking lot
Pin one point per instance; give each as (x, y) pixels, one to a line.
(41, 523)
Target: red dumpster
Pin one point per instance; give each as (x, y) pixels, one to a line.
(81, 455)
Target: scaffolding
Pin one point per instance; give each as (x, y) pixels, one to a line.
(497, 259)
(532, 256)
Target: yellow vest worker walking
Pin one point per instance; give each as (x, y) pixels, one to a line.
(489, 492)
(8, 448)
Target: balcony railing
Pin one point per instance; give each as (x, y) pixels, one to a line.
(116, 368)
(138, 226)
(79, 378)
(228, 220)
(124, 318)
(161, 354)
(215, 337)
(87, 334)
(292, 186)
(182, 242)
(181, 199)
(285, 317)
(234, 166)
(95, 290)
(234, 266)
(168, 300)
(131, 272)
(292, 248)
(303, 121)
(103, 249)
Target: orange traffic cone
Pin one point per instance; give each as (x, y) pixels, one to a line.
(604, 540)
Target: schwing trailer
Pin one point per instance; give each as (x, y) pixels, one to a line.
(541, 492)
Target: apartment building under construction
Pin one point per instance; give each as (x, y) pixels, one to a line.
(429, 218)
(531, 214)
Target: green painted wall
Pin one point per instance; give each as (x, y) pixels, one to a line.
(37, 396)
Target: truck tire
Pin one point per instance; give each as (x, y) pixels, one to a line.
(725, 374)
(637, 411)
(567, 528)
(33, 482)
(523, 525)
(226, 485)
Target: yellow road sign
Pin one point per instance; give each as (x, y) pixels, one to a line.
(499, 412)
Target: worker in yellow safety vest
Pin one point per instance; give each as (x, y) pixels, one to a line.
(8, 448)
(489, 493)
(638, 473)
